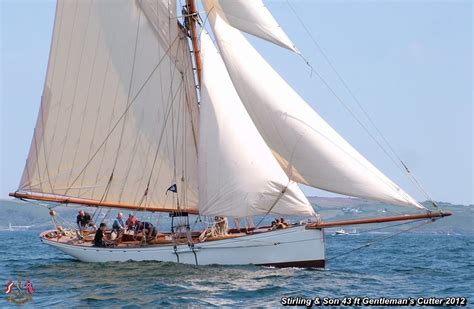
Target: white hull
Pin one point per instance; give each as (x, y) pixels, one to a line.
(292, 247)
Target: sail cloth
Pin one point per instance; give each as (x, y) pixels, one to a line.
(308, 149)
(116, 122)
(253, 17)
(238, 175)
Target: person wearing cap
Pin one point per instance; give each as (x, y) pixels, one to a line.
(84, 220)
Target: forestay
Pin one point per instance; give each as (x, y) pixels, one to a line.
(238, 175)
(252, 17)
(307, 148)
(118, 117)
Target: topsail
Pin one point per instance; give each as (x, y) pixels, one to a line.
(253, 17)
(118, 118)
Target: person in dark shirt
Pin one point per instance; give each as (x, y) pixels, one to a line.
(99, 236)
(146, 228)
(84, 220)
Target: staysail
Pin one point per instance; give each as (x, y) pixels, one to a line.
(308, 149)
(118, 117)
(251, 17)
(238, 175)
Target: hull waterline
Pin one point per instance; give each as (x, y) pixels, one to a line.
(292, 247)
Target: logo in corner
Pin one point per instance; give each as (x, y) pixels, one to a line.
(19, 293)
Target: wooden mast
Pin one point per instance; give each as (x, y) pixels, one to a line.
(428, 215)
(192, 21)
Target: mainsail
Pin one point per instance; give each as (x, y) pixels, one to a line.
(308, 149)
(118, 117)
(238, 175)
(252, 17)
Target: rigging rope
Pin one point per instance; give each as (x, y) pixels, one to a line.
(274, 203)
(124, 113)
(400, 164)
(385, 238)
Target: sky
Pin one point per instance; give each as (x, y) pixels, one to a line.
(409, 63)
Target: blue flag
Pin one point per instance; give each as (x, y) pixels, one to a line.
(173, 188)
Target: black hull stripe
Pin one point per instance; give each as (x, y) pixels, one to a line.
(303, 264)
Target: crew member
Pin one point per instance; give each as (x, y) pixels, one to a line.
(118, 228)
(118, 225)
(131, 222)
(99, 236)
(221, 225)
(284, 223)
(146, 228)
(84, 220)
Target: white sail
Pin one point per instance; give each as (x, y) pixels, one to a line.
(308, 149)
(252, 17)
(117, 122)
(238, 175)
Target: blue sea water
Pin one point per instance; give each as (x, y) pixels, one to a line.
(409, 265)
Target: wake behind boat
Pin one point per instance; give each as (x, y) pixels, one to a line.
(13, 228)
(133, 118)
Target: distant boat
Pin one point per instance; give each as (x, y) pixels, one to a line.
(13, 228)
(344, 232)
(341, 232)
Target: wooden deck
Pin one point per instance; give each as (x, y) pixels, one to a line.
(129, 241)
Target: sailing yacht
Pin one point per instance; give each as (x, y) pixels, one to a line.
(147, 109)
